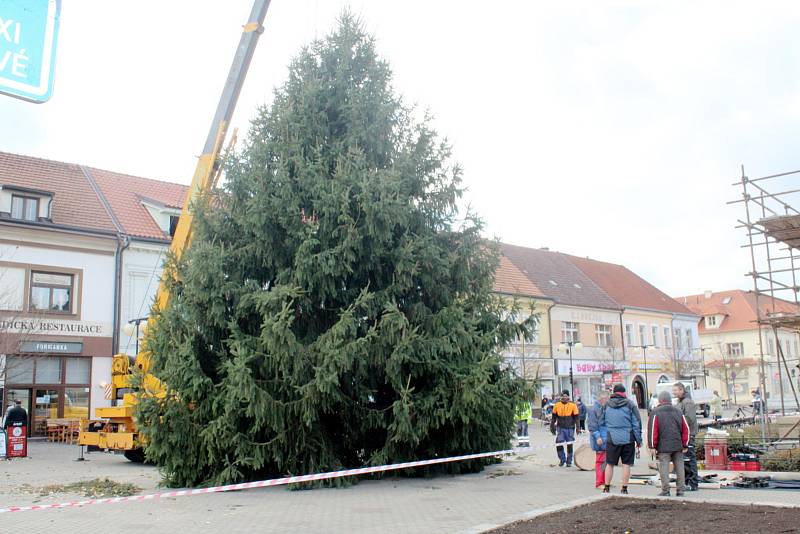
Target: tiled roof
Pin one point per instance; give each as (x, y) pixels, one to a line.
(510, 280)
(626, 287)
(740, 310)
(75, 203)
(557, 277)
(125, 194)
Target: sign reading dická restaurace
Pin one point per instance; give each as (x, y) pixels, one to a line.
(28, 36)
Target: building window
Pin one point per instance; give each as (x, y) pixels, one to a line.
(51, 292)
(735, 349)
(770, 347)
(667, 338)
(629, 335)
(678, 339)
(711, 321)
(603, 334)
(173, 224)
(689, 343)
(654, 332)
(24, 208)
(642, 335)
(569, 332)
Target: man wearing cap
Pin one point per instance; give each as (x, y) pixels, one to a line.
(624, 426)
(565, 418)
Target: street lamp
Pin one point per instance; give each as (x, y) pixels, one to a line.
(132, 327)
(646, 379)
(567, 345)
(703, 349)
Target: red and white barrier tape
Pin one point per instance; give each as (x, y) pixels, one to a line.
(257, 484)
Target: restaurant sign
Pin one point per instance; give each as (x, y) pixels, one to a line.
(55, 327)
(50, 347)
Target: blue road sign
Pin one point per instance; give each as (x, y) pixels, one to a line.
(28, 35)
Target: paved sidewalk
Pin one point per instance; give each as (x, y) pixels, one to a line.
(471, 503)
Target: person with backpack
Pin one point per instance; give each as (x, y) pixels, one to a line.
(624, 426)
(668, 435)
(598, 438)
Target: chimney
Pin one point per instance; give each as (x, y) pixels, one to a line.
(708, 294)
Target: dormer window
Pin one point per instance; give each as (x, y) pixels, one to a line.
(24, 208)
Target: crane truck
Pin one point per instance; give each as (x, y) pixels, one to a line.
(115, 428)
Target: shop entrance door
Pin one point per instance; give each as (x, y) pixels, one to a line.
(46, 408)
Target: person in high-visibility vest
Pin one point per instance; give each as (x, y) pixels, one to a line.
(523, 415)
(566, 419)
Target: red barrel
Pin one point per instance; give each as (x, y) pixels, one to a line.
(716, 449)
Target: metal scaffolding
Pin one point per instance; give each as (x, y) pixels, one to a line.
(772, 226)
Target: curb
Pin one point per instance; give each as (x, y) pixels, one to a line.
(712, 501)
(553, 508)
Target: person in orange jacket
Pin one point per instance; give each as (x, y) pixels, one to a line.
(566, 420)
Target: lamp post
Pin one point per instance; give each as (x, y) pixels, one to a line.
(567, 345)
(703, 350)
(132, 327)
(646, 379)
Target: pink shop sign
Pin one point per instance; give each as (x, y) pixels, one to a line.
(587, 367)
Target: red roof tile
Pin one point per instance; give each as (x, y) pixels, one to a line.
(77, 204)
(626, 287)
(510, 280)
(557, 277)
(740, 310)
(125, 194)
(74, 201)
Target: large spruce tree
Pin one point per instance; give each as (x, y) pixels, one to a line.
(333, 310)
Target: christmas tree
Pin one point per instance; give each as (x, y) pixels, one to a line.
(334, 310)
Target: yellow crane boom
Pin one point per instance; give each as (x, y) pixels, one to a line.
(116, 429)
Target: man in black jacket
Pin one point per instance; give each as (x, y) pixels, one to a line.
(17, 414)
(668, 434)
(689, 410)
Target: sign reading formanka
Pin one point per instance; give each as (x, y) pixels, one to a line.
(50, 347)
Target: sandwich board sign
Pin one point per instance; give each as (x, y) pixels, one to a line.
(28, 36)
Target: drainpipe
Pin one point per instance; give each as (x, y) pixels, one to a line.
(622, 338)
(123, 242)
(552, 355)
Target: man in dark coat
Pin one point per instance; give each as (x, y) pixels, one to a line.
(668, 435)
(17, 414)
(689, 410)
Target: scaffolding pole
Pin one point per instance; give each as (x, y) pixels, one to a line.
(772, 226)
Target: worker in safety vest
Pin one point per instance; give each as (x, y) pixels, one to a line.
(523, 415)
(566, 420)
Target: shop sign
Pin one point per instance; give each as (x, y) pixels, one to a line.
(55, 327)
(50, 347)
(577, 315)
(589, 367)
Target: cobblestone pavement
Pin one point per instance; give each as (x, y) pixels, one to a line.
(519, 487)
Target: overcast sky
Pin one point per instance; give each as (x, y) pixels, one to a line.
(605, 129)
